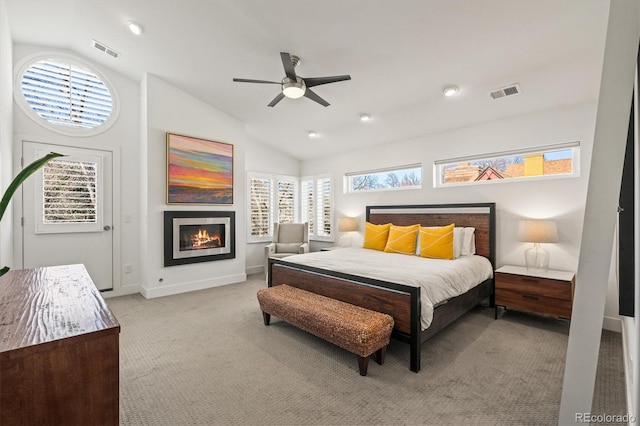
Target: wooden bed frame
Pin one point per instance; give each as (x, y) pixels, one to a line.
(400, 301)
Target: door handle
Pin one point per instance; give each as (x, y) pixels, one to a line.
(107, 228)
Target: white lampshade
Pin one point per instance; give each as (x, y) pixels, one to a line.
(347, 224)
(537, 231)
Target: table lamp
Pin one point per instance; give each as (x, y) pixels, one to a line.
(348, 225)
(537, 231)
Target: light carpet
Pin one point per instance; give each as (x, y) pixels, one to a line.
(205, 358)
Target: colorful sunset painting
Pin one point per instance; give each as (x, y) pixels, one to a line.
(198, 171)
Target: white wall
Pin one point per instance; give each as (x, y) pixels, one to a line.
(147, 110)
(561, 198)
(260, 158)
(610, 138)
(6, 134)
(169, 109)
(122, 139)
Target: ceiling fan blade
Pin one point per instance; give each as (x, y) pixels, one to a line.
(317, 81)
(289, 69)
(246, 80)
(314, 97)
(276, 99)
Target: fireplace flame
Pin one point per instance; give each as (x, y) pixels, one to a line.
(203, 238)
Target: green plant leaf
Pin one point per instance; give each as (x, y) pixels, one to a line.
(24, 174)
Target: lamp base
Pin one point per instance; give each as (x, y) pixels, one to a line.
(537, 258)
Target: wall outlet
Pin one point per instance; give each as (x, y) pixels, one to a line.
(128, 218)
(128, 268)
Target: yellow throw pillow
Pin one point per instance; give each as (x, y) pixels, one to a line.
(437, 242)
(375, 236)
(402, 239)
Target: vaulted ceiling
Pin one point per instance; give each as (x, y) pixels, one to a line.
(400, 54)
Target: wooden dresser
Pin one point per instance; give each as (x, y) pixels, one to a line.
(542, 292)
(59, 349)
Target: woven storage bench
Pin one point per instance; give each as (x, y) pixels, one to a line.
(356, 329)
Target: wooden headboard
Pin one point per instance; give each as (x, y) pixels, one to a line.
(478, 215)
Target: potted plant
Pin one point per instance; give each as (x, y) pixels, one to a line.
(17, 181)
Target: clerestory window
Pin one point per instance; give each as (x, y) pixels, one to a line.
(65, 96)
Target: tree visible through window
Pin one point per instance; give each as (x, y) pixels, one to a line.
(556, 160)
(404, 177)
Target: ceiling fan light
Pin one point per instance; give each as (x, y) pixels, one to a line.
(293, 89)
(450, 90)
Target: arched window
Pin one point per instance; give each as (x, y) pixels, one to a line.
(65, 95)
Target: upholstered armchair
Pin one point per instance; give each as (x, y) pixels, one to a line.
(288, 239)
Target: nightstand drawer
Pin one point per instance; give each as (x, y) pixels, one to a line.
(518, 299)
(534, 286)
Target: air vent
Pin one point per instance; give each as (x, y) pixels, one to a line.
(505, 91)
(105, 49)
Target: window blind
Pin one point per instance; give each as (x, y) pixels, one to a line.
(286, 201)
(260, 209)
(307, 204)
(69, 192)
(66, 94)
(323, 207)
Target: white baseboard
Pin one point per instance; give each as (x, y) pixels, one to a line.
(169, 290)
(253, 270)
(123, 291)
(612, 324)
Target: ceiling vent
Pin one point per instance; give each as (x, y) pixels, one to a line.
(514, 89)
(105, 49)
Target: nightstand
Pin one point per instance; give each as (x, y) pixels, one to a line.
(539, 292)
(331, 248)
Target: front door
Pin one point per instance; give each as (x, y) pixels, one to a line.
(67, 211)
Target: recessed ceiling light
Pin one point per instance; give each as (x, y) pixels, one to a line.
(365, 117)
(135, 28)
(450, 90)
(313, 134)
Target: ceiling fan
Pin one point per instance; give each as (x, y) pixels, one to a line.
(294, 86)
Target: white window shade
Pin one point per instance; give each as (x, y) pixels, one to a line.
(66, 95)
(260, 196)
(271, 199)
(323, 213)
(307, 203)
(69, 192)
(286, 201)
(70, 195)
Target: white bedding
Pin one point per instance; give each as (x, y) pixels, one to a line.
(439, 280)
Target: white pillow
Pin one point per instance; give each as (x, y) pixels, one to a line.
(468, 242)
(457, 241)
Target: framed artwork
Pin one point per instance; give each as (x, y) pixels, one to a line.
(199, 171)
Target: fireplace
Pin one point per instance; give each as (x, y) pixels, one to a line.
(191, 237)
